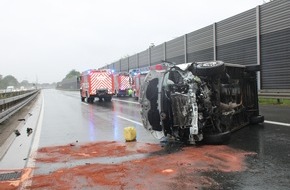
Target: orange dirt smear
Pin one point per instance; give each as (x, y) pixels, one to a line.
(15, 184)
(99, 149)
(179, 170)
(6, 185)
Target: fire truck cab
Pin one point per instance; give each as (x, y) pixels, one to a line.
(137, 77)
(137, 81)
(121, 84)
(96, 83)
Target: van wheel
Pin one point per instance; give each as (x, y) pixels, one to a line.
(207, 68)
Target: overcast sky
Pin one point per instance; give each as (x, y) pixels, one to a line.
(45, 39)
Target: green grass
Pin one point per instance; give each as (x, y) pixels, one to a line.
(274, 101)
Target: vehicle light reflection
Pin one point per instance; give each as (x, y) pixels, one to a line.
(92, 131)
(116, 128)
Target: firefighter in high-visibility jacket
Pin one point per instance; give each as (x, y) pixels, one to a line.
(130, 92)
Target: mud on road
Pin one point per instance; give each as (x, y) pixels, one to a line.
(132, 165)
(257, 157)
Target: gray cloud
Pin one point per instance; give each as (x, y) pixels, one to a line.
(45, 39)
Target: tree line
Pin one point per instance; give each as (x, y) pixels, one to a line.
(10, 80)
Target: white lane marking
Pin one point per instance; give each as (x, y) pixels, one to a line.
(36, 139)
(277, 123)
(269, 122)
(126, 101)
(136, 122)
(33, 150)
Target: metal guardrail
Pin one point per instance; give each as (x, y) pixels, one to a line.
(16, 97)
(274, 93)
(11, 105)
(4, 94)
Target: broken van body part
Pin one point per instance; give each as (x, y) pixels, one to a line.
(200, 101)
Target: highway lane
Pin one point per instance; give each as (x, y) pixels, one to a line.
(78, 141)
(67, 120)
(276, 113)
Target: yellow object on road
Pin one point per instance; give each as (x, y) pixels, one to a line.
(130, 133)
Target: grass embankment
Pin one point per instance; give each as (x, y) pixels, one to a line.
(274, 101)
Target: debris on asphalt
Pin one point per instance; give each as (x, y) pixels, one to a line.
(29, 131)
(17, 133)
(130, 134)
(21, 119)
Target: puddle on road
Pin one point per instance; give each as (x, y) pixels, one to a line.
(115, 165)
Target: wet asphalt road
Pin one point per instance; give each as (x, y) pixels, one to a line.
(68, 121)
(269, 168)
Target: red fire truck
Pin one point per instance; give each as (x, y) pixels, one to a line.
(121, 84)
(137, 81)
(137, 77)
(96, 83)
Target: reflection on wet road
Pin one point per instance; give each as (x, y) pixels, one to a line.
(67, 119)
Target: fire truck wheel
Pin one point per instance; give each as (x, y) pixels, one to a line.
(90, 100)
(108, 99)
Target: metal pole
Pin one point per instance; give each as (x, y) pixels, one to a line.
(137, 59)
(128, 64)
(149, 55)
(214, 41)
(258, 33)
(185, 48)
(164, 51)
